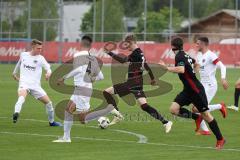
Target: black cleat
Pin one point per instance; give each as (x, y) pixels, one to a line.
(15, 117)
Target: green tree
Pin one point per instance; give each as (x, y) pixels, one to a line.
(158, 22)
(113, 20)
(44, 9)
(131, 8)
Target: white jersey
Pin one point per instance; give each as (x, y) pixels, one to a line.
(31, 69)
(208, 67)
(85, 67)
(81, 78)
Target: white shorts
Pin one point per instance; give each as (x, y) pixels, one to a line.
(82, 102)
(36, 91)
(211, 90)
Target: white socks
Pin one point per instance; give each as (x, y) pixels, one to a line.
(96, 114)
(68, 122)
(19, 103)
(203, 126)
(214, 107)
(50, 112)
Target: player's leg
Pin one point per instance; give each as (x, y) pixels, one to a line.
(22, 93)
(82, 104)
(203, 130)
(236, 97)
(214, 127)
(183, 99)
(95, 114)
(201, 103)
(211, 92)
(42, 96)
(68, 122)
(154, 113)
(107, 93)
(177, 110)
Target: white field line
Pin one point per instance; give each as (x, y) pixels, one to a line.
(120, 141)
(141, 138)
(124, 141)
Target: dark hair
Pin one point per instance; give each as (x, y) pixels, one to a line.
(204, 39)
(35, 42)
(177, 43)
(130, 37)
(86, 41)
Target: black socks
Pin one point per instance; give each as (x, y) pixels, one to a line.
(153, 112)
(236, 96)
(110, 99)
(184, 113)
(216, 131)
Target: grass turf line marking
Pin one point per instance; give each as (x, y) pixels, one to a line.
(123, 141)
(141, 138)
(114, 140)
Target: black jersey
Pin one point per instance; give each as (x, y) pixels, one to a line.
(188, 78)
(137, 64)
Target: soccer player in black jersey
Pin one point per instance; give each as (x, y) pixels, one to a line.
(134, 83)
(193, 91)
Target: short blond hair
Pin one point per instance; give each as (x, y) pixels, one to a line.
(36, 42)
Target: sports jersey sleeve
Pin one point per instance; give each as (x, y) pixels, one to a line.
(46, 65)
(17, 67)
(180, 60)
(214, 58)
(148, 69)
(99, 76)
(73, 73)
(121, 59)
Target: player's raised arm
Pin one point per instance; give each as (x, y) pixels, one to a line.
(16, 69)
(109, 47)
(121, 59)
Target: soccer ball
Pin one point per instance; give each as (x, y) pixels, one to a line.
(103, 122)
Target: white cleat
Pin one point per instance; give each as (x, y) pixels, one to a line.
(62, 140)
(233, 108)
(168, 126)
(116, 119)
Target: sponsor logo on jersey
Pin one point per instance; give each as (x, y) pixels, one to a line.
(29, 67)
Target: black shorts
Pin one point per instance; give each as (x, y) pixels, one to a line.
(199, 100)
(123, 89)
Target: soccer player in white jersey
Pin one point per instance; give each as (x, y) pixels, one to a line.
(85, 71)
(208, 64)
(30, 65)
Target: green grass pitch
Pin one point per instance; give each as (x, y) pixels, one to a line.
(30, 137)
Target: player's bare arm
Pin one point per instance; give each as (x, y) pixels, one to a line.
(178, 69)
(196, 67)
